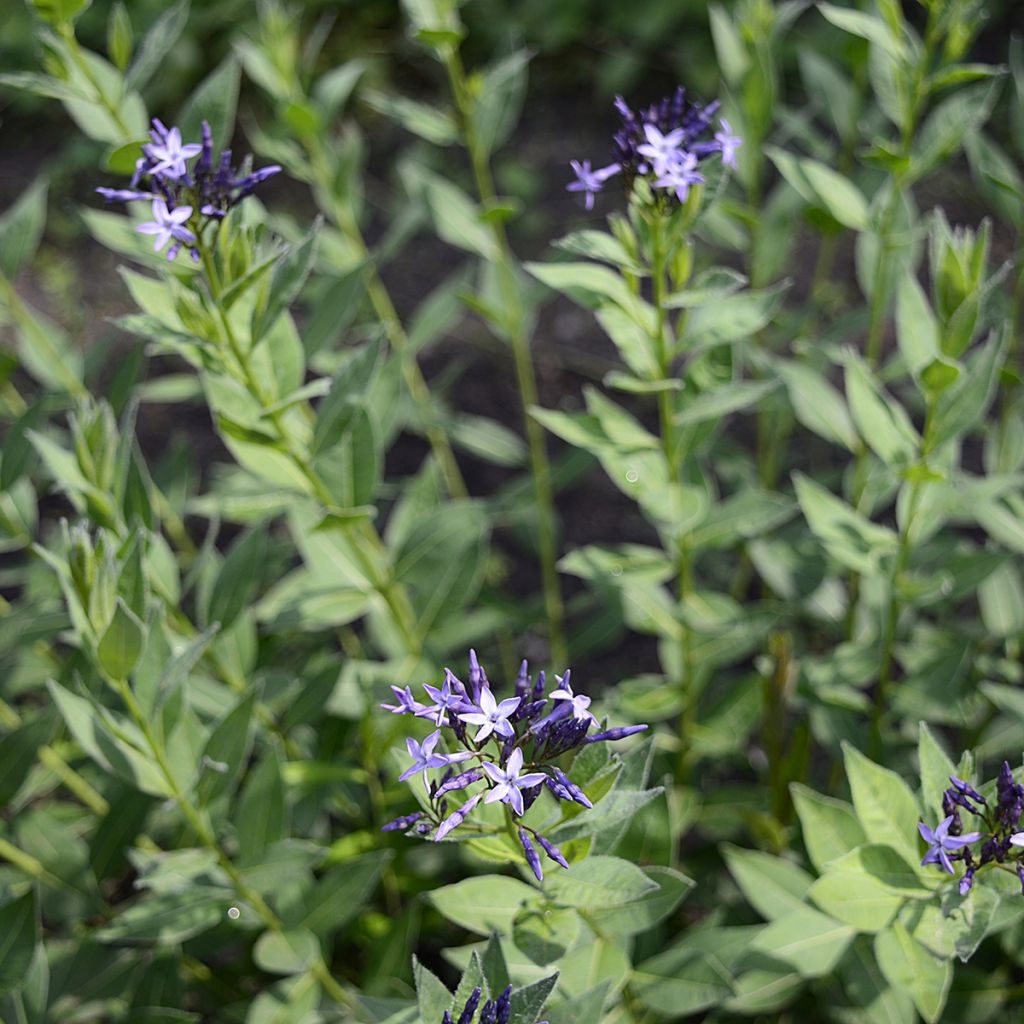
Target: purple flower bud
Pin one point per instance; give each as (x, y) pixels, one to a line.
(616, 734)
(124, 195)
(503, 1007)
(456, 818)
(446, 1018)
(572, 789)
(551, 850)
(475, 676)
(967, 882)
(1020, 875)
(522, 681)
(532, 857)
(471, 1004)
(559, 791)
(460, 781)
(539, 686)
(404, 822)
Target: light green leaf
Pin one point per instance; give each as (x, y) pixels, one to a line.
(121, 644)
(483, 903)
(818, 405)
(19, 928)
(848, 537)
(908, 966)
(884, 803)
(21, 227)
(772, 886)
(881, 420)
(810, 941)
(289, 952)
(600, 882)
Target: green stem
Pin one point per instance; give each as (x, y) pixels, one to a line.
(525, 376)
(205, 834)
(373, 551)
(344, 218)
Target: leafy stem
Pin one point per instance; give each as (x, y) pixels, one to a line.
(515, 323)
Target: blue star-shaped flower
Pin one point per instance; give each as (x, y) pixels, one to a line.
(942, 844)
(424, 758)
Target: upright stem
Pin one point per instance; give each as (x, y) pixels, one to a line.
(419, 391)
(525, 377)
(373, 550)
(682, 552)
(205, 834)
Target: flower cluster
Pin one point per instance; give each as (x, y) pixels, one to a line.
(664, 144)
(185, 199)
(947, 842)
(514, 746)
(494, 1011)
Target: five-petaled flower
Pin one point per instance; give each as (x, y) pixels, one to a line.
(424, 758)
(166, 153)
(729, 143)
(508, 782)
(588, 181)
(492, 716)
(407, 704)
(663, 150)
(579, 702)
(445, 699)
(942, 844)
(168, 224)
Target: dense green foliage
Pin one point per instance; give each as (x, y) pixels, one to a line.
(808, 445)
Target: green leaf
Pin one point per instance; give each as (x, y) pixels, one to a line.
(433, 998)
(962, 405)
(545, 934)
(21, 227)
(884, 803)
(881, 420)
(19, 931)
(717, 404)
(729, 48)
(935, 768)
(644, 913)
(168, 919)
(866, 887)
(680, 982)
(818, 405)
(499, 100)
(239, 577)
(821, 186)
(809, 941)
(772, 886)
(456, 217)
(950, 124)
(121, 644)
(600, 245)
(528, 1001)
(261, 813)
(1001, 599)
(909, 967)
(120, 38)
(337, 412)
(157, 43)
(866, 26)
(226, 750)
(600, 882)
(214, 100)
(286, 281)
(917, 330)
(428, 122)
(342, 893)
(289, 952)
(740, 318)
(483, 903)
(848, 537)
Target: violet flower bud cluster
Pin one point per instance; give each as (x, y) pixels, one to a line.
(494, 1011)
(509, 750)
(665, 144)
(185, 199)
(1000, 834)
